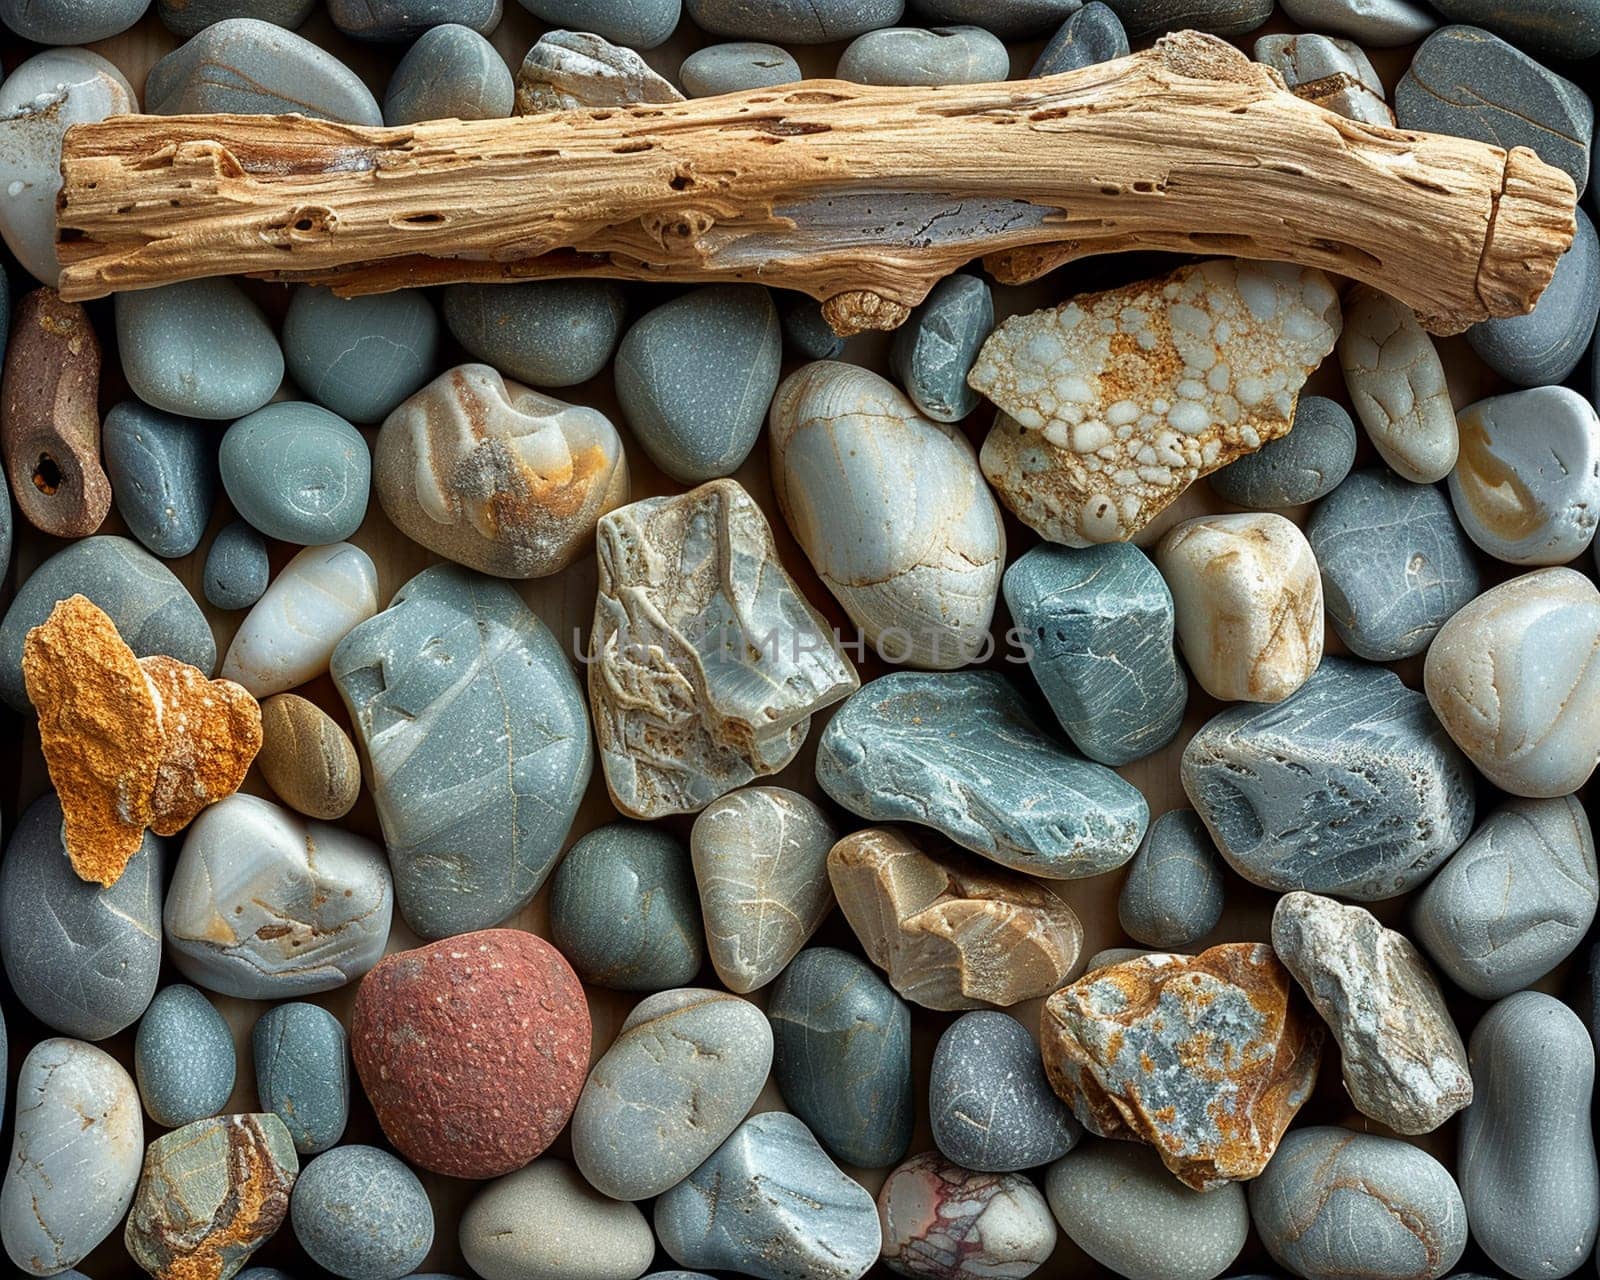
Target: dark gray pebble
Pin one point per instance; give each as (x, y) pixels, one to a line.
(237, 568)
(361, 1214)
(934, 350)
(1544, 346)
(742, 64)
(396, 20)
(1094, 34)
(1173, 895)
(163, 474)
(190, 17)
(450, 73)
(793, 21)
(302, 1061)
(1568, 30)
(1221, 17)
(1307, 464)
(639, 24)
(546, 333)
(1008, 19)
(806, 329)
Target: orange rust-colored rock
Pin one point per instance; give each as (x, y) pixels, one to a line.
(211, 731)
(1206, 1058)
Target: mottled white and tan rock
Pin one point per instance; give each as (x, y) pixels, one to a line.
(943, 1222)
(1515, 679)
(497, 476)
(1404, 1063)
(568, 70)
(760, 859)
(1114, 403)
(950, 931)
(290, 633)
(705, 660)
(892, 511)
(1249, 603)
(1397, 385)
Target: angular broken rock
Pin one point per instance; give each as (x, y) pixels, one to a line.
(1333, 73)
(705, 660)
(1206, 1058)
(951, 932)
(1114, 403)
(569, 70)
(1404, 1063)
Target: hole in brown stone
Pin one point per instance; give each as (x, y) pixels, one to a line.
(46, 475)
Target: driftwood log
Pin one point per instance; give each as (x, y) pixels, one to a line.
(862, 197)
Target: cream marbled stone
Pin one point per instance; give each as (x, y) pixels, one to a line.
(1114, 403)
(1397, 384)
(1249, 602)
(573, 70)
(892, 511)
(1515, 679)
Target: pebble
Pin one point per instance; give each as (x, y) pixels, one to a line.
(201, 349)
(496, 476)
(1117, 1203)
(1092, 35)
(1379, 24)
(1333, 73)
(307, 759)
(1303, 466)
(75, 1155)
(770, 1204)
(639, 24)
(81, 958)
(472, 1050)
(1018, 19)
(695, 377)
(1525, 1159)
(290, 634)
(1527, 485)
(397, 20)
(794, 21)
(933, 351)
(1547, 344)
(546, 1223)
(151, 610)
(1395, 564)
(302, 1065)
(297, 472)
(1099, 623)
(892, 512)
(1403, 1061)
(943, 1222)
(459, 659)
(306, 909)
(70, 21)
(360, 357)
(450, 73)
(1466, 82)
(807, 330)
(577, 70)
(989, 1104)
(925, 56)
(183, 1057)
(1516, 899)
(237, 568)
(842, 1056)
(1221, 17)
(1174, 892)
(743, 64)
(1563, 29)
(1515, 679)
(362, 1214)
(693, 1062)
(623, 909)
(548, 333)
(760, 859)
(1335, 1203)
(190, 17)
(1393, 795)
(163, 475)
(249, 67)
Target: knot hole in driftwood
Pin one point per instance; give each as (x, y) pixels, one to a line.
(302, 225)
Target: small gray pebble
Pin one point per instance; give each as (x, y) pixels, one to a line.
(546, 333)
(399, 20)
(361, 1214)
(744, 64)
(925, 56)
(639, 24)
(1010, 20)
(1544, 346)
(302, 1060)
(1174, 891)
(1307, 464)
(237, 568)
(70, 21)
(1221, 17)
(1092, 35)
(360, 357)
(190, 17)
(1568, 30)
(807, 330)
(1375, 23)
(793, 21)
(163, 474)
(297, 473)
(183, 1057)
(450, 73)
(934, 350)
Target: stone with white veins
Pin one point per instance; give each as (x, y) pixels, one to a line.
(943, 1222)
(1333, 73)
(1114, 403)
(573, 70)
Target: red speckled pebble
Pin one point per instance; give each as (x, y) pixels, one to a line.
(473, 1050)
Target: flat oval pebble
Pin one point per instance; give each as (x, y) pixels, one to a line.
(1174, 892)
(307, 759)
(693, 1062)
(934, 350)
(943, 1222)
(297, 473)
(237, 568)
(1567, 29)
(1546, 344)
(183, 1057)
(924, 56)
(70, 21)
(1092, 35)
(190, 17)
(1221, 17)
(450, 73)
(302, 1066)
(639, 24)
(546, 1223)
(1302, 466)
(361, 1214)
(742, 64)
(163, 475)
(395, 20)
(547, 333)
(360, 357)
(200, 349)
(793, 21)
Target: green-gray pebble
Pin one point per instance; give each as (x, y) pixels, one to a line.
(741, 64)
(190, 17)
(1174, 891)
(639, 24)
(360, 357)
(302, 1061)
(237, 567)
(183, 1057)
(450, 73)
(162, 470)
(361, 1214)
(1307, 464)
(297, 473)
(925, 56)
(934, 350)
(546, 333)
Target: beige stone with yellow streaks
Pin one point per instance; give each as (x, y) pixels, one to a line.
(307, 758)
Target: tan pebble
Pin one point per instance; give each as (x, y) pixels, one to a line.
(307, 759)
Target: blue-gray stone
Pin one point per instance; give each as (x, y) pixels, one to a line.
(1307, 464)
(695, 377)
(934, 350)
(478, 741)
(450, 73)
(1568, 30)
(162, 470)
(360, 357)
(1349, 787)
(925, 56)
(1221, 17)
(547, 333)
(1544, 346)
(1467, 82)
(1010, 20)
(396, 20)
(201, 349)
(190, 17)
(81, 958)
(989, 1104)
(742, 64)
(70, 21)
(770, 1204)
(639, 24)
(1092, 35)
(793, 21)
(1395, 563)
(1174, 891)
(1098, 622)
(959, 752)
(1377, 24)
(183, 1057)
(361, 1214)
(624, 909)
(237, 568)
(302, 1062)
(842, 1056)
(806, 329)
(152, 611)
(297, 473)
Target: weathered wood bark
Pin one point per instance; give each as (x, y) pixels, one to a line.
(863, 197)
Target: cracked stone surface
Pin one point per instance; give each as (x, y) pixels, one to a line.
(567, 70)
(943, 1222)
(1335, 74)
